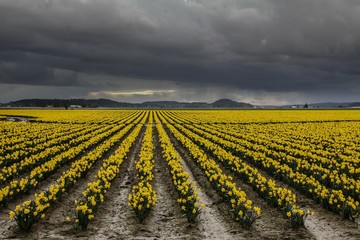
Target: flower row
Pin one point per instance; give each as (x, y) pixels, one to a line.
(45, 140)
(143, 197)
(329, 178)
(188, 198)
(240, 207)
(30, 212)
(332, 199)
(94, 194)
(64, 143)
(16, 135)
(330, 145)
(282, 198)
(341, 158)
(31, 180)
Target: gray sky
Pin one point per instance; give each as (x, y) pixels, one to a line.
(257, 51)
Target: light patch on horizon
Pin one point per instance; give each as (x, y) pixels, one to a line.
(131, 93)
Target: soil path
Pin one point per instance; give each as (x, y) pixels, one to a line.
(210, 221)
(114, 218)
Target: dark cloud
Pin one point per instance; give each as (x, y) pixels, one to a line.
(273, 46)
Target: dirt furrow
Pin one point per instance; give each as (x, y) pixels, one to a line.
(114, 219)
(326, 224)
(210, 221)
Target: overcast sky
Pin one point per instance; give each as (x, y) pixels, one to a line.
(257, 51)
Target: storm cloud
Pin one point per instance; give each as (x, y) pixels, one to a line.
(274, 51)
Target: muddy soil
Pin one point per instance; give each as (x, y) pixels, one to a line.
(114, 219)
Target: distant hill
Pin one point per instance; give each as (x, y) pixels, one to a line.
(174, 104)
(227, 103)
(106, 103)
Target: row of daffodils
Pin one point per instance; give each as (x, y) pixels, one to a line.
(143, 196)
(94, 194)
(240, 207)
(340, 197)
(38, 174)
(282, 198)
(32, 211)
(67, 148)
(30, 141)
(45, 152)
(313, 185)
(315, 153)
(188, 198)
(331, 167)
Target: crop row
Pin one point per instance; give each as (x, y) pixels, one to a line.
(332, 199)
(94, 194)
(240, 207)
(282, 198)
(18, 186)
(188, 197)
(337, 155)
(25, 144)
(143, 196)
(32, 211)
(44, 153)
(313, 168)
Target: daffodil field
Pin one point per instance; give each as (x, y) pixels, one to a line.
(253, 169)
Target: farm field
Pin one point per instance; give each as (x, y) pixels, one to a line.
(183, 174)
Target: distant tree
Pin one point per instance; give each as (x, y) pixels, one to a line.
(306, 105)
